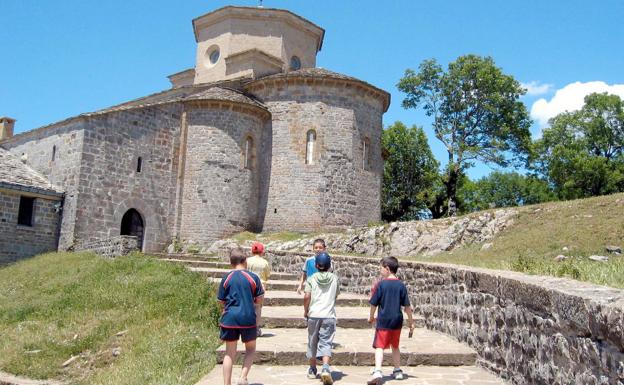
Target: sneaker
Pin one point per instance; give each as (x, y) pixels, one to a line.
(376, 379)
(397, 374)
(312, 372)
(242, 381)
(326, 377)
(259, 333)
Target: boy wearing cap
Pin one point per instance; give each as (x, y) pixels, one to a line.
(321, 290)
(260, 266)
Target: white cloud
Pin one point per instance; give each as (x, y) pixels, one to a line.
(570, 98)
(535, 88)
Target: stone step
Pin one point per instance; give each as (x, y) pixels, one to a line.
(292, 317)
(272, 284)
(219, 273)
(353, 347)
(209, 264)
(291, 298)
(354, 375)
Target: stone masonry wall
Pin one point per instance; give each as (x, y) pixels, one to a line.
(110, 184)
(64, 171)
(221, 196)
(17, 241)
(112, 247)
(335, 190)
(527, 329)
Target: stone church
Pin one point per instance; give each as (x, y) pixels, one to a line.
(254, 137)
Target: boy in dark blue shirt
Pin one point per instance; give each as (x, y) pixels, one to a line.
(389, 295)
(239, 291)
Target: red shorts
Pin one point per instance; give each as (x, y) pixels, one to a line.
(385, 338)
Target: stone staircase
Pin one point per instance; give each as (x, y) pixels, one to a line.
(428, 357)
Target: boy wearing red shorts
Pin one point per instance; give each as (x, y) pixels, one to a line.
(389, 295)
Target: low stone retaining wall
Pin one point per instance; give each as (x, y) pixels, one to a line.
(112, 247)
(527, 329)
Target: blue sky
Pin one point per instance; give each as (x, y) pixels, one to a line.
(62, 58)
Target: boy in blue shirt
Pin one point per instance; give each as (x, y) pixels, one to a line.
(309, 266)
(389, 295)
(239, 291)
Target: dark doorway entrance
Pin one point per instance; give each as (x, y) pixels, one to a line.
(132, 224)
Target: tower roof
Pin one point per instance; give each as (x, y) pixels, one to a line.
(233, 12)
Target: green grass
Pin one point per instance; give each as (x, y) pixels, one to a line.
(58, 305)
(541, 232)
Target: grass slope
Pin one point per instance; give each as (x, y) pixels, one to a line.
(541, 232)
(59, 305)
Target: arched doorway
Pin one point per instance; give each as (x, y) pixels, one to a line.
(132, 224)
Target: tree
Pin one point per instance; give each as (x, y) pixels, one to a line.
(409, 172)
(476, 114)
(582, 152)
(504, 189)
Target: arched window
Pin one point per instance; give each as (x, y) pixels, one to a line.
(248, 153)
(310, 143)
(366, 154)
(295, 63)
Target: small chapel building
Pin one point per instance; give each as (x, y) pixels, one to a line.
(254, 137)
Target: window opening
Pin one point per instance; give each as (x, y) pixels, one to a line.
(295, 63)
(139, 164)
(53, 153)
(365, 154)
(26, 210)
(248, 153)
(310, 141)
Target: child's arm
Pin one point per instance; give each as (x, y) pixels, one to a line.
(301, 281)
(307, 298)
(371, 317)
(410, 317)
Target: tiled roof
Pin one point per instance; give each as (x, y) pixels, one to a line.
(15, 175)
(316, 73)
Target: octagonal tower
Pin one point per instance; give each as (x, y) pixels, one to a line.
(233, 42)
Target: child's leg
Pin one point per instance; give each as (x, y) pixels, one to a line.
(250, 353)
(314, 325)
(228, 361)
(396, 357)
(379, 353)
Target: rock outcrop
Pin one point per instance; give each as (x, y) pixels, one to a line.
(399, 239)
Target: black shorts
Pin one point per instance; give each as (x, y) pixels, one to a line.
(233, 334)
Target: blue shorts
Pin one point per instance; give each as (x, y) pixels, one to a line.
(233, 334)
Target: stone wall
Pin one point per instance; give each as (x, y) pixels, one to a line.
(17, 241)
(527, 329)
(335, 190)
(110, 184)
(66, 139)
(112, 247)
(221, 196)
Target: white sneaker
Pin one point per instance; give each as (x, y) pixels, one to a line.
(398, 374)
(376, 378)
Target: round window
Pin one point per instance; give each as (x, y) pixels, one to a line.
(295, 63)
(214, 55)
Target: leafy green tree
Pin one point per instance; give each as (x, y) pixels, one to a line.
(476, 114)
(504, 189)
(582, 152)
(410, 171)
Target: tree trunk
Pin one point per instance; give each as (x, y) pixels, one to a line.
(451, 189)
